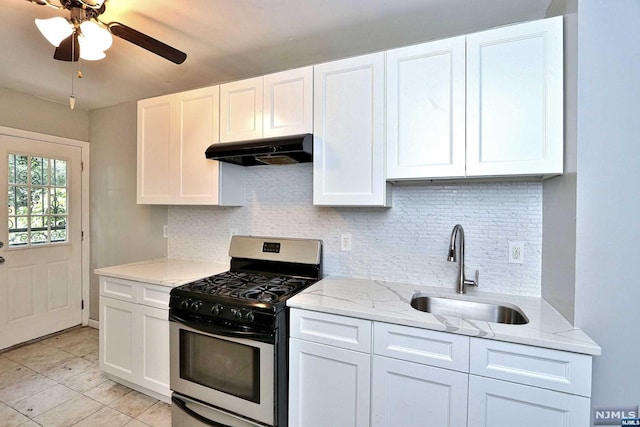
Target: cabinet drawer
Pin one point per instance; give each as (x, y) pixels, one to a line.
(124, 290)
(540, 367)
(424, 346)
(330, 329)
(154, 295)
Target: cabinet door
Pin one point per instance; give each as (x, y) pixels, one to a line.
(156, 129)
(426, 110)
(153, 338)
(495, 403)
(241, 110)
(515, 100)
(197, 178)
(288, 103)
(328, 386)
(409, 394)
(348, 127)
(117, 338)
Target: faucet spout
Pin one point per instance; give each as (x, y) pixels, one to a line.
(461, 281)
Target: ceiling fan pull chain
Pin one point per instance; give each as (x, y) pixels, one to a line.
(72, 98)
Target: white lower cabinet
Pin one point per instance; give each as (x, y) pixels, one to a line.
(329, 370)
(330, 387)
(354, 372)
(409, 394)
(134, 335)
(116, 337)
(495, 403)
(154, 338)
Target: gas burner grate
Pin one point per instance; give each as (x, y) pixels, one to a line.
(263, 288)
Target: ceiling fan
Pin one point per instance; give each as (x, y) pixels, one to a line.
(83, 35)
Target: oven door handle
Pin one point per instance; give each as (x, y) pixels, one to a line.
(193, 414)
(265, 337)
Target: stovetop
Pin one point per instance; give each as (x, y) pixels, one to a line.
(264, 272)
(239, 298)
(247, 286)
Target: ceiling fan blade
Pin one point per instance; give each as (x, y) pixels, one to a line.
(147, 42)
(66, 48)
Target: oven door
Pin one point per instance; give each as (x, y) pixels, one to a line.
(219, 368)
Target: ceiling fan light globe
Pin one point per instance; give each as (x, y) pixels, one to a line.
(92, 55)
(96, 35)
(55, 29)
(88, 52)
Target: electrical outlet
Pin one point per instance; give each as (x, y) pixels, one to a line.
(516, 252)
(165, 231)
(345, 242)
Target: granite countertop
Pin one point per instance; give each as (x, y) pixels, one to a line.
(164, 271)
(390, 302)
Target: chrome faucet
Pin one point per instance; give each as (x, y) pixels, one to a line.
(461, 281)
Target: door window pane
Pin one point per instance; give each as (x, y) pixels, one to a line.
(37, 201)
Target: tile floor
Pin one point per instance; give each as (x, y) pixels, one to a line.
(57, 382)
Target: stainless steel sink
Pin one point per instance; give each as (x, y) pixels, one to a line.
(471, 310)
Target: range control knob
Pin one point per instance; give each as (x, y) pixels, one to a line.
(184, 304)
(217, 309)
(236, 313)
(195, 306)
(250, 317)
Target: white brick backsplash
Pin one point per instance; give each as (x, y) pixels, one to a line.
(406, 243)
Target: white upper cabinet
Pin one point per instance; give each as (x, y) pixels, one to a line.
(274, 105)
(515, 100)
(426, 110)
(288, 103)
(349, 128)
(486, 104)
(241, 110)
(173, 133)
(154, 149)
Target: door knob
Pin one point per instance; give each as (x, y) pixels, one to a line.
(2, 260)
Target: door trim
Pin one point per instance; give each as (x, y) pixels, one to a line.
(84, 148)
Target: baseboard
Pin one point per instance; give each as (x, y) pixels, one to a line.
(94, 324)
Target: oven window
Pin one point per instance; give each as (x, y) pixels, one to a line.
(219, 364)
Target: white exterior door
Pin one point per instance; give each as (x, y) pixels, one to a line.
(41, 276)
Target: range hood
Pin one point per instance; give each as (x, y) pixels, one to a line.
(283, 150)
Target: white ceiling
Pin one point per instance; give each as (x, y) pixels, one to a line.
(228, 40)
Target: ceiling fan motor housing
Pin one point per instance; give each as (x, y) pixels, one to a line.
(93, 7)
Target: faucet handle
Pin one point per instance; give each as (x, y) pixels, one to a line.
(469, 282)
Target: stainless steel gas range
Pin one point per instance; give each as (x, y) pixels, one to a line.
(229, 334)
